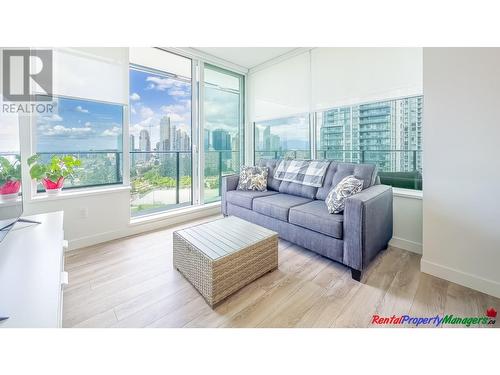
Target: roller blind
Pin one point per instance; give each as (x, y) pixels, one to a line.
(280, 90)
(91, 73)
(164, 61)
(344, 76)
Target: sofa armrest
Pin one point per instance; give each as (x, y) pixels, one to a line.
(367, 225)
(229, 182)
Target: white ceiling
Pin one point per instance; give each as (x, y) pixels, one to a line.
(247, 57)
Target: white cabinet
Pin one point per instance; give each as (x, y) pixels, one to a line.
(32, 273)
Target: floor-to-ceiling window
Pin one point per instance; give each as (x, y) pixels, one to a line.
(223, 109)
(160, 136)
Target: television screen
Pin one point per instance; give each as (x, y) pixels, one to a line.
(11, 203)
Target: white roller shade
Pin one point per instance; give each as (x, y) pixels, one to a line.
(280, 90)
(91, 73)
(222, 80)
(164, 61)
(344, 76)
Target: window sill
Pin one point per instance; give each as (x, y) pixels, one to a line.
(174, 213)
(79, 193)
(407, 193)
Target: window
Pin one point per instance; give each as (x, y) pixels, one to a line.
(88, 102)
(286, 138)
(160, 139)
(222, 127)
(90, 130)
(386, 133)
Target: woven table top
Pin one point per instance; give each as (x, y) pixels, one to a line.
(222, 237)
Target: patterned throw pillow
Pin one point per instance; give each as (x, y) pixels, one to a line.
(253, 178)
(348, 186)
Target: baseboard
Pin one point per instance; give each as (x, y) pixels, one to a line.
(463, 278)
(131, 230)
(401, 243)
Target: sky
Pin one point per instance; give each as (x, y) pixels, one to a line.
(153, 96)
(80, 125)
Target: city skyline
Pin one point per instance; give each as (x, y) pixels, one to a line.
(352, 132)
(155, 98)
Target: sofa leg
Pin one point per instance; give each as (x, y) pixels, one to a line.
(356, 274)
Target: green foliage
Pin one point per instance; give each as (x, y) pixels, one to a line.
(9, 171)
(58, 166)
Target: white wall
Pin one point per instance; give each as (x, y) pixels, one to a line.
(323, 78)
(462, 166)
(91, 218)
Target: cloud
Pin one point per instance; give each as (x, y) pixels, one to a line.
(52, 118)
(115, 131)
(163, 84)
(178, 92)
(135, 129)
(132, 110)
(177, 112)
(160, 84)
(135, 97)
(146, 112)
(80, 109)
(61, 130)
(88, 124)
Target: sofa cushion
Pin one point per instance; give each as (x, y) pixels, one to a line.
(253, 178)
(335, 200)
(337, 171)
(297, 189)
(244, 198)
(272, 183)
(277, 205)
(315, 216)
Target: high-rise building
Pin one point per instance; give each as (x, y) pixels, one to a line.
(221, 140)
(207, 141)
(182, 140)
(165, 134)
(144, 145)
(387, 133)
(257, 140)
(132, 142)
(337, 135)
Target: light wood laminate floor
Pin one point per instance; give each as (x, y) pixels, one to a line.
(131, 283)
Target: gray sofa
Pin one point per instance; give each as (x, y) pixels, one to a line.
(299, 214)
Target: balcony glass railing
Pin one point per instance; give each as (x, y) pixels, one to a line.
(163, 180)
(99, 168)
(283, 154)
(160, 181)
(398, 168)
(218, 163)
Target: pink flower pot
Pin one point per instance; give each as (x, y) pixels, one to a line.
(10, 190)
(51, 187)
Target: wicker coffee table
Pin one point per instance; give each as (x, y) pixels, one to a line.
(222, 256)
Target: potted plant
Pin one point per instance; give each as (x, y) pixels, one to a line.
(10, 179)
(53, 173)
